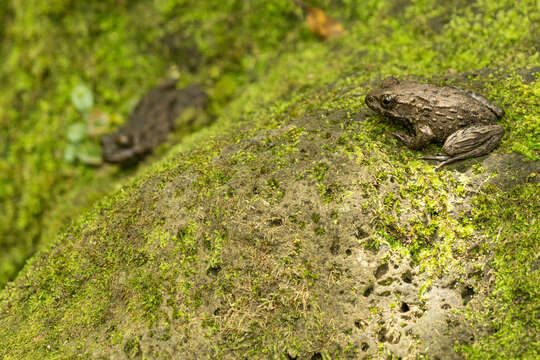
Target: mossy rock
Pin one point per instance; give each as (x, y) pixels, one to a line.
(297, 227)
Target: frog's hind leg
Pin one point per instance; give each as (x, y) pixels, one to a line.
(471, 142)
(492, 143)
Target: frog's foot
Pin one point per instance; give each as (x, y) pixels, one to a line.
(471, 142)
(423, 136)
(406, 139)
(413, 142)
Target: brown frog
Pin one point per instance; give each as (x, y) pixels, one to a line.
(460, 119)
(151, 121)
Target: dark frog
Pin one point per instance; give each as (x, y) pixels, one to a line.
(462, 120)
(151, 121)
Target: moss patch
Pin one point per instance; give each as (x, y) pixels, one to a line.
(295, 217)
(509, 317)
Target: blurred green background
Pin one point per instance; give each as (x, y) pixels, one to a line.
(73, 70)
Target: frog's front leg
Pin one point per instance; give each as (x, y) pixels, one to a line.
(423, 136)
(472, 141)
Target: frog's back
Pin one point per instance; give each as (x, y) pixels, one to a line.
(446, 109)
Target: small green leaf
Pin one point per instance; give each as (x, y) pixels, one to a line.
(89, 153)
(70, 153)
(82, 98)
(77, 132)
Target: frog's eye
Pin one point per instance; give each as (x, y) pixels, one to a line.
(124, 140)
(387, 100)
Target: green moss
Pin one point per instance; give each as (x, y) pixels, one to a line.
(510, 315)
(119, 266)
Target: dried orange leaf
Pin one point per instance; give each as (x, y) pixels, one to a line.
(319, 23)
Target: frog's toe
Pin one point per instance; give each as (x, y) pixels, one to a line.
(448, 161)
(438, 157)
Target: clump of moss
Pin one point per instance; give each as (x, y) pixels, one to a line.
(509, 316)
(188, 251)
